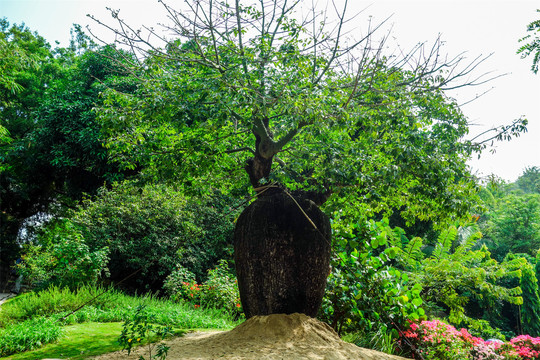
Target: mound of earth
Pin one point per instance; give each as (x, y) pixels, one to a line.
(272, 337)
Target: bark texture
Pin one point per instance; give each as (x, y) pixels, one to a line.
(282, 261)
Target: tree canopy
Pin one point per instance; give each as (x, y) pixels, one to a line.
(256, 89)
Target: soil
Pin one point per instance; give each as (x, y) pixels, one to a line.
(272, 337)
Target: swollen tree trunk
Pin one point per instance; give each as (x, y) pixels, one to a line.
(282, 259)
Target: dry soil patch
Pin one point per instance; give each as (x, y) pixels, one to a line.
(272, 337)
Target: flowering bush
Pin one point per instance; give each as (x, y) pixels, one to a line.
(220, 291)
(438, 340)
(176, 281)
(486, 351)
(527, 347)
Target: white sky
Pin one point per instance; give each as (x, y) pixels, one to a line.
(479, 27)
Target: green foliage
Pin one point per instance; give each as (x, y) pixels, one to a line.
(54, 300)
(26, 66)
(385, 136)
(20, 53)
(454, 273)
(379, 275)
(529, 181)
(214, 218)
(138, 328)
(484, 329)
(380, 279)
(537, 265)
(364, 291)
(532, 47)
(530, 310)
(177, 281)
(150, 229)
(55, 151)
(28, 335)
(219, 291)
(53, 306)
(61, 257)
(514, 226)
(23, 54)
(382, 338)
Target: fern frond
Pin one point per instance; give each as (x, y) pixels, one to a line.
(413, 250)
(469, 240)
(444, 242)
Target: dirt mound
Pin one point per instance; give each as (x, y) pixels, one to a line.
(272, 337)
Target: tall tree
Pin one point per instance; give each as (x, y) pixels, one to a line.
(55, 153)
(514, 226)
(529, 181)
(320, 118)
(26, 66)
(530, 311)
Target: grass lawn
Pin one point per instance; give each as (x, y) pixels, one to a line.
(30, 322)
(79, 342)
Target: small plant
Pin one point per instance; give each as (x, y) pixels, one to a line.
(220, 291)
(139, 328)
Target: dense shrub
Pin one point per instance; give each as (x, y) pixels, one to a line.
(181, 285)
(526, 346)
(219, 291)
(151, 229)
(213, 242)
(59, 256)
(440, 341)
(365, 294)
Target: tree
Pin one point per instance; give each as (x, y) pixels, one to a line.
(530, 311)
(26, 66)
(529, 181)
(55, 152)
(532, 47)
(318, 116)
(514, 226)
(455, 274)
